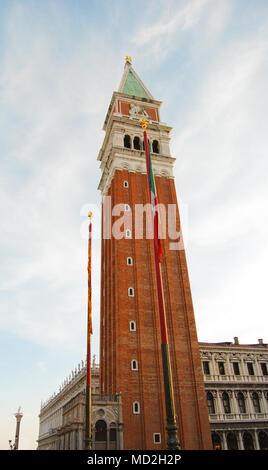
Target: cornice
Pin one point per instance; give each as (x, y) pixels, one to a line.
(133, 161)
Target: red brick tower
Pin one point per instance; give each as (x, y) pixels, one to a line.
(130, 350)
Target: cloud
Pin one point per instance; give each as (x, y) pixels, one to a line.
(212, 138)
(175, 21)
(184, 17)
(53, 107)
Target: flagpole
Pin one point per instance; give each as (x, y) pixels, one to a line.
(88, 439)
(171, 427)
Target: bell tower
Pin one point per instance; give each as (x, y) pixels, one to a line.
(130, 350)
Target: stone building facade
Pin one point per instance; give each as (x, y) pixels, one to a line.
(62, 417)
(236, 383)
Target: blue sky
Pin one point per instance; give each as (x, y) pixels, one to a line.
(60, 62)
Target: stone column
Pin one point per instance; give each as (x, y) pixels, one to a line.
(256, 439)
(18, 417)
(235, 403)
(120, 423)
(108, 437)
(93, 437)
(224, 441)
(240, 441)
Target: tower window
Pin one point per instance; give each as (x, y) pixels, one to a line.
(127, 208)
(136, 143)
(143, 146)
(157, 438)
(134, 364)
(130, 292)
(129, 261)
(132, 326)
(264, 368)
(128, 233)
(136, 408)
(125, 184)
(127, 142)
(155, 146)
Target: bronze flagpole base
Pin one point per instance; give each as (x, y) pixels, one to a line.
(171, 428)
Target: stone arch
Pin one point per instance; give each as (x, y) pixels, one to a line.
(127, 141)
(100, 434)
(263, 440)
(216, 441)
(248, 441)
(231, 441)
(137, 143)
(155, 146)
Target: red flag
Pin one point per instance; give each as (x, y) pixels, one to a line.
(89, 277)
(153, 198)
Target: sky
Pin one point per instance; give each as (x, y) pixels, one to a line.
(60, 61)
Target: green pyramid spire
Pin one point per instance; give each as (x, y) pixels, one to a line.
(133, 87)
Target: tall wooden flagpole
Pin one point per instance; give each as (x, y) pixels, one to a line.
(88, 439)
(171, 427)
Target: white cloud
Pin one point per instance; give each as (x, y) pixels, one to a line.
(173, 18)
(53, 108)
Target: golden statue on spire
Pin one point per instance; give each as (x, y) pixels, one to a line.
(128, 59)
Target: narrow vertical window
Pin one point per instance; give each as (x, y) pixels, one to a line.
(250, 368)
(155, 146)
(136, 143)
(236, 368)
(210, 403)
(132, 326)
(136, 408)
(125, 184)
(131, 292)
(127, 208)
(134, 364)
(157, 438)
(206, 368)
(127, 141)
(128, 233)
(241, 402)
(129, 261)
(221, 368)
(256, 403)
(226, 403)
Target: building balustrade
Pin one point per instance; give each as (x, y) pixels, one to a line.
(238, 417)
(236, 378)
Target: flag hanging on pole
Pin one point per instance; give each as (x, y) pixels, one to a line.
(89, 276)
(89, 333)
(153, 197)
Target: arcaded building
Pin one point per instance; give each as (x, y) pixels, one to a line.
(236, 383)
